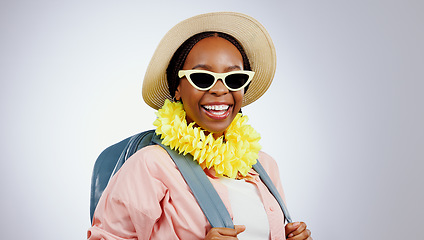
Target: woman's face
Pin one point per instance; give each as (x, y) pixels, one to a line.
(214, 109)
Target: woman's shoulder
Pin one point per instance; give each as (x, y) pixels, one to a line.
(153, 159)
(155, 150)
(148, 168)
(267, 161)
(150, 151)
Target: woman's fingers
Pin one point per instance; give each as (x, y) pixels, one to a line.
(305, 235)
(225, 233)
(291, 227)
(239, 228)
(297, 231)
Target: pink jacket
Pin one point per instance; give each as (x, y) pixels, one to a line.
(149, 199)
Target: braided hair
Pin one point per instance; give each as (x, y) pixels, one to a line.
(179, 57)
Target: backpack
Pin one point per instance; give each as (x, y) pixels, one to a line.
(113, 157)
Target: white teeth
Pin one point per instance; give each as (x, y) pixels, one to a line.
(216, 107)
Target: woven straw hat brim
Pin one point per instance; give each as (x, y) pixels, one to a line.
(254, 38)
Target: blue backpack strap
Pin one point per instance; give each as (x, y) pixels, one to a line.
(271, 187)
(202, 189)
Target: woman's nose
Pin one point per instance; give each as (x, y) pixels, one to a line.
(219, 88)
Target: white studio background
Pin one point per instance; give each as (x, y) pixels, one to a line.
(344, 116)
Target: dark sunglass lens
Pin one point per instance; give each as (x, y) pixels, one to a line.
(202, 80)
(236, 80)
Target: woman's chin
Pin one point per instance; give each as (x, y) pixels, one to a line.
(216, 130)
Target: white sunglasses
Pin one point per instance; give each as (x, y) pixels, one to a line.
(204, 80)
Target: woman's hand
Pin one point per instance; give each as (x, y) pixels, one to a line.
(225, 233)
(297, 231)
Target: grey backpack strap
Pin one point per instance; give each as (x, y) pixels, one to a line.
(202, 189)
(271, 187)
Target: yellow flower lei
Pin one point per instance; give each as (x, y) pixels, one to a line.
(236, 154)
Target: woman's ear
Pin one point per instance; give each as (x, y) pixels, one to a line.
(177, 96)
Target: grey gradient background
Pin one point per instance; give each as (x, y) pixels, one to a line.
(343, 118)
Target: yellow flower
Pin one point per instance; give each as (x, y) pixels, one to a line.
(235, 152)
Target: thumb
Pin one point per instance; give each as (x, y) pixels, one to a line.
(239, 228)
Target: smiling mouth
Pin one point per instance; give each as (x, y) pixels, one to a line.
(217, 111)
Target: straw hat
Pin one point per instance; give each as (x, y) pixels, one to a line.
(254, 38)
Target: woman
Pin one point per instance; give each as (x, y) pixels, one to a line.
(210, 66)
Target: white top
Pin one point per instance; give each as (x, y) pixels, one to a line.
(247, 209)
